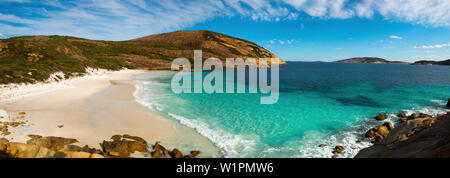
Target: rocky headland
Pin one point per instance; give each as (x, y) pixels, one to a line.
(416, 136)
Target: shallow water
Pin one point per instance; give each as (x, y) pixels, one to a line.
(320, 103)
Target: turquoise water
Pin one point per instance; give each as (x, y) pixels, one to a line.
(320, 103)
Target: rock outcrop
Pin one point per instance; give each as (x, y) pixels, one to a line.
(22, 150)
(412, 117)
(448, 103)
(425, 137)
(380, 117)
(59, 147)
(124, 146)
(46, 147)
(195, 153)
(3, 146)
(175, 153)
(376, 134)
(338, 149)
(69, 154)
(53, 143)
(388, 125)
(401, 115)
(160, 151)
(415, 116)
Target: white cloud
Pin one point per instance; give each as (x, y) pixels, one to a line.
(114, 19)
(395, 37)
(429, 12)
(292, 16)
(433, 46)
(281, 42)
(322, 8)
(127, 19)
(364, 9)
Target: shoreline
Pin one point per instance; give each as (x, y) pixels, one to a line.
(355, 139)
(417, 136)
(91, 109)
(187, 138)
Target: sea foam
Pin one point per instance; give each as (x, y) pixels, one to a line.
(231, 145)
(349, 136)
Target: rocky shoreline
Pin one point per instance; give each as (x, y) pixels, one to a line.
(120, 146)
(421, 137)
(415, 136)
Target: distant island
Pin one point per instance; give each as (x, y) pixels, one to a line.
(376, 60)
(446, 62)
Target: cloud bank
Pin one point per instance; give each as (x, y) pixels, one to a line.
(127, 19)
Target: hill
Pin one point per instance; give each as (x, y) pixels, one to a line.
(446, 62)
(31, 59)
(370, 60)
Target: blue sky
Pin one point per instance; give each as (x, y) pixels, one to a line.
(295, 30)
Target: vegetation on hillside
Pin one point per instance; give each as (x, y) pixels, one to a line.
(32, 59)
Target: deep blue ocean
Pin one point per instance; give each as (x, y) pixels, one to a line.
(319, 103)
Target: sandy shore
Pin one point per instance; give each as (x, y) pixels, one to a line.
(92, 110)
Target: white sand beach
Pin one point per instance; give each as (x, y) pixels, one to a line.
(85, 112)
(92, 109)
